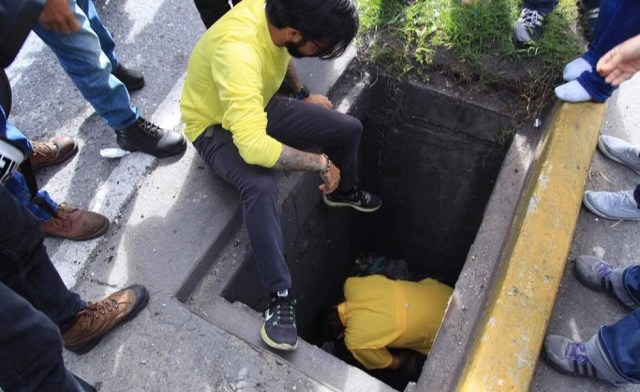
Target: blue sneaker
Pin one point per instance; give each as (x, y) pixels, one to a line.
(612, 205)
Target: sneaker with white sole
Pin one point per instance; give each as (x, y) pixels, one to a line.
(279, 327)
(620, 151)
(357, 198)
(612, 205)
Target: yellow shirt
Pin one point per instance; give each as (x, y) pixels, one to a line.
(378, 313)
(234, 70)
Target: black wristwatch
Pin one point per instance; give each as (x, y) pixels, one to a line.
(302, 94)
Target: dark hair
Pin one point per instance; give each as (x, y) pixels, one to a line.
(329, 325)
(332, 23)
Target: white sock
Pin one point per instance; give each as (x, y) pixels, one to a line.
(575, 68)
(572, 92)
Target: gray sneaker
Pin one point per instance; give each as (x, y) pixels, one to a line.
(594, 273)
(620, 151)
(612, 205)
(568, 357)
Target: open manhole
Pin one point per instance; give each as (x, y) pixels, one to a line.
(434, 161)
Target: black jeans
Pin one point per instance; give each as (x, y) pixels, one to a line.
(35, 306)
(299, 125)
(212, 10)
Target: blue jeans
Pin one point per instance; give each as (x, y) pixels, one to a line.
(18, 188)
(36, 306)
(620, 342)
(542, 6)
(297, 124)
(88, 56)
(617, 22)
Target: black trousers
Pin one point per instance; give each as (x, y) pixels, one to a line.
(35, 306)
(212, 10)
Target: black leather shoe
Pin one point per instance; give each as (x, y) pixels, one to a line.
(132, 80)
(149, 138)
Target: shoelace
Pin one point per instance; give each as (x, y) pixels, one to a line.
(149, 128)
(577, 354)
(604, 270)
(95, 310)
(61, 214)
(531, 18)
(284, 310)
(363, 195)
(42, 149)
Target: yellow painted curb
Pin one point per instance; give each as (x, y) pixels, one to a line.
(513, 327)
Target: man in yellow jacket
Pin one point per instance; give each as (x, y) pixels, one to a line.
(244, 130)
(379, 313)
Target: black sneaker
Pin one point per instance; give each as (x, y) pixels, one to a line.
(357, 198)
(589, 22)
(528, 28)
(149, 138)
(279, 327)
(132, 80)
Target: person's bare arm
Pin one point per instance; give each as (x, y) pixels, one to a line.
(399, 360)
(621, 62)
(57, 16)
(292, 159)
(292, 83)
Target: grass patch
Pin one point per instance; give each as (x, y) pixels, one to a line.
(475, 42)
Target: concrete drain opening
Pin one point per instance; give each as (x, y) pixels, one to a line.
(434, 161)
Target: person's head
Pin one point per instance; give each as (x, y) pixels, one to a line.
(319, 28)
(330, 326)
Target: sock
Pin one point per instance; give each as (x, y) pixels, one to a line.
(575, 68)
(572, 92)
(282, 293)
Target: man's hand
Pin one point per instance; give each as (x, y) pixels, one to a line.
(621, 62)
(57, 16)
(319, 99)
(330, 179)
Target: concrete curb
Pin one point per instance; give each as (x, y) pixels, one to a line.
(511, 331)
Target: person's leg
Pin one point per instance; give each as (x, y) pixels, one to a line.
(620, 345)
(303, 125)
(26, 268)
(212, 10)
(43, 210)
(259, 197)
(107, 44)
(617, 22)
(82, 58)
(542, 6)
(30, 349)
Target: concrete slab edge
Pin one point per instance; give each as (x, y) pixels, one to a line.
(511, 331)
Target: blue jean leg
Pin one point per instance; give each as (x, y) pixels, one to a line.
(107, 44)
(621, 341)
(617, 22)
(30, 349)
(18, 188)
(542, 6)
(26, 268)
(81, 56)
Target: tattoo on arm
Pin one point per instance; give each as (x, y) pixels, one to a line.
(292, 159)
(291, 80)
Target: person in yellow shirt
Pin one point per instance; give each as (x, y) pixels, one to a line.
(379, 313)
(245, 131)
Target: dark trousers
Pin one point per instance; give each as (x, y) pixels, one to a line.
(617, 22)
(35, 306)
(621, 340)
(299, 125)
(212, 10)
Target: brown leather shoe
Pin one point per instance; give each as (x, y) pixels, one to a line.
(56, 150)
(75, 224)
(94, 321)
